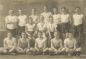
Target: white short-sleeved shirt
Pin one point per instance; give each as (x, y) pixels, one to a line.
(51, 27)
(46, 16)
(40, 42)
(41, 26)
(70, 43)
(56, 18)
(77, 19)
(11, 22)
(9, 42)
(65, 18)
(30, 27)
(22, 20)
(34, 17)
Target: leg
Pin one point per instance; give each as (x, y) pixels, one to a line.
(3, 51)
(20, 51)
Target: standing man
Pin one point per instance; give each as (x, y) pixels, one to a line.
(34, 16)
(21, 22)
(78, 24)
(56, 18)
(46, 14)
(65, 21)
(11, 23)
(78, 21)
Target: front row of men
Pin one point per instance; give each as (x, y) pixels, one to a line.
(23, 45)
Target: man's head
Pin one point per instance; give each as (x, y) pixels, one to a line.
(63, 10)
(70, 35)
(41, 19)
(56, 34)
(45, 9)
(40, 34)
(55, 10)
(20, 12)
(30, 20)
(77, 10)
(10, 12)
(9, 35)
(23, 35)
(33, 11)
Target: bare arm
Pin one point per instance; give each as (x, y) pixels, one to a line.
(52, 46)
(5, 44)
(14, 46)
(36, 45)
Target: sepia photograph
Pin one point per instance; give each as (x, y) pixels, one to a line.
(42, 29)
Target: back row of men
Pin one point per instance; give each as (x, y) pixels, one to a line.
(47, 22)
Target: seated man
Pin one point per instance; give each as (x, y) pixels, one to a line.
(40, 44)
(70, 45)
(56, 44)
(9, 45)
(23, 44)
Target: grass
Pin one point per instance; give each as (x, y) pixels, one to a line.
(40, 57)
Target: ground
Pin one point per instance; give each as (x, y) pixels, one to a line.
(40, 57)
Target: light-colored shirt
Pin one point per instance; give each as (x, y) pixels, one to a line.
(56, 18)
(41, 26)
(51, 27)
(30, 27)
(34, 17)
(46, 16)
(11, 22)
(77, 19)
(22, 20)
(65, 18)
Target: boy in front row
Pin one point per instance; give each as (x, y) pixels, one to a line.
(9, 44)
(56, 44)
(70, 46)
(23, 44)
(40, 45)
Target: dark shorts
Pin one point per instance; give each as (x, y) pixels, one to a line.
(13, 31)
(78, 28)
(64, 27)
(58, 27)
(21, 29)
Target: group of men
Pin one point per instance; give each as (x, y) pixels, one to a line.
(48, 33)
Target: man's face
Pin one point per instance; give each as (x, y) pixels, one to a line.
(23, 35)
(10, 12)
(41, 19)
(56, 34)
(55, 10)
(30, 20)
(77, 10)
(9, 35)
(45, 9)
(63, 10)
(70, 35)
(33, 11)
(20, 12)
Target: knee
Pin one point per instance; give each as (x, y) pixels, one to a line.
(78, 49)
